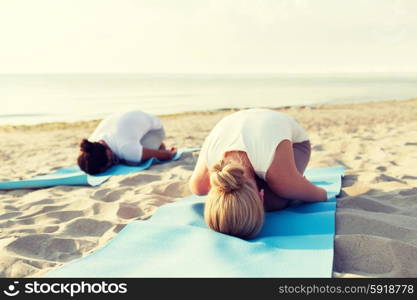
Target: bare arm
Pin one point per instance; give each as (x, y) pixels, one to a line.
(285, 180)
(159, 154)
(271, 200)
(200, 180)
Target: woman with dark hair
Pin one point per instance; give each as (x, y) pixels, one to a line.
(127, 137)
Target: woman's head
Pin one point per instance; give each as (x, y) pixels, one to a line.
(94, 157)
(233, 206)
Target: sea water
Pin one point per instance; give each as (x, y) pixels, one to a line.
(37, 98)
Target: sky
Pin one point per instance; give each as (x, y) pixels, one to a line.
(207, 36)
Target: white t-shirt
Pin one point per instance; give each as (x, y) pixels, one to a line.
(254, 131)
(123, 131)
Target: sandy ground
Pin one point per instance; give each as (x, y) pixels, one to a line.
(376, 215)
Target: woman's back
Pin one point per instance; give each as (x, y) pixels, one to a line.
(254, 131)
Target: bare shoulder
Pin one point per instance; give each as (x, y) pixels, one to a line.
(283, 160)
(284, 179)
(282, 169)
(200, 181)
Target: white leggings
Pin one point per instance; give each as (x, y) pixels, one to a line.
(153, 139)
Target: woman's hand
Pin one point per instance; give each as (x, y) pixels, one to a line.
(173, 151)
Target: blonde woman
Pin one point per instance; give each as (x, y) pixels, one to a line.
(252, 160)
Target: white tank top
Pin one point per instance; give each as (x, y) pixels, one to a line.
(254, 131)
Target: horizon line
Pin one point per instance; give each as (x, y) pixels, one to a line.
(208, 73)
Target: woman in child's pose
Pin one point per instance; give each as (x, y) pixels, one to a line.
(252, 160)
(126, 137)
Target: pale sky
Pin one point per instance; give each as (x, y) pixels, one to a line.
(207, 36)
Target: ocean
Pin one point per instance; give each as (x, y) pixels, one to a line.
(38, 98)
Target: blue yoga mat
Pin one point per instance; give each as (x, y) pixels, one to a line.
(175, 242)
(74, 176)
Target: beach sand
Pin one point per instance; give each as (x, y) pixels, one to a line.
(376, 220)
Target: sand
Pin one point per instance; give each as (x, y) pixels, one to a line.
(376, 220)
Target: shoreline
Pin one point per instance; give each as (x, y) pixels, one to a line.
(81, 123)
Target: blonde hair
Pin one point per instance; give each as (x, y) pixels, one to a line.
(233, 205)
